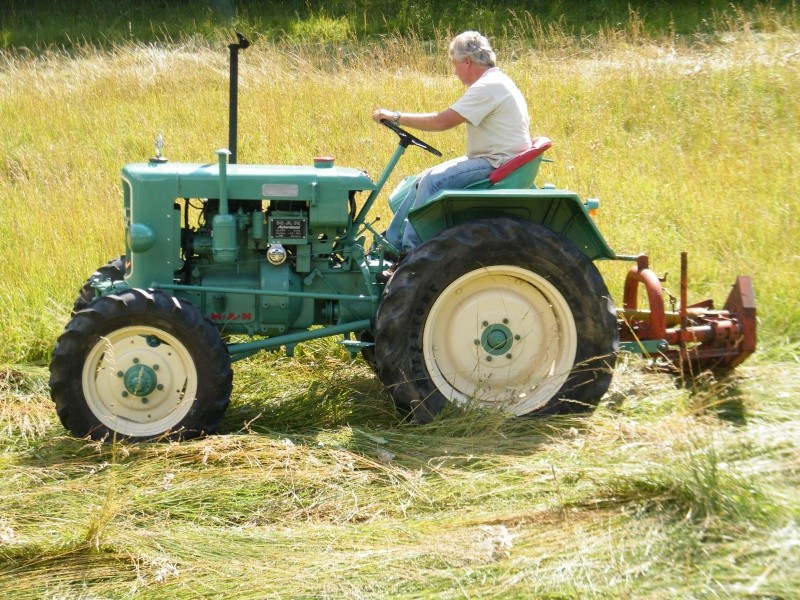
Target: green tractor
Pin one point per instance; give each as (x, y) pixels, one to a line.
(501, 305)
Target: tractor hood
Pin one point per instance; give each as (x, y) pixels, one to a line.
(272, 182)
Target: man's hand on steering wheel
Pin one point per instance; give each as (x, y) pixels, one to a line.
(389, 120)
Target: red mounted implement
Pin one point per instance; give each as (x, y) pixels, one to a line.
(692, 337)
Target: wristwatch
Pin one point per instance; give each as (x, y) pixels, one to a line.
(396, 118)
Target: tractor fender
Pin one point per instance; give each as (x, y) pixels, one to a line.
(560, 211)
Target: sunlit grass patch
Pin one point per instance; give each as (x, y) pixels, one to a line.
(656, 489)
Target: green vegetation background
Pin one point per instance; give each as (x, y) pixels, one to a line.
(37, 24)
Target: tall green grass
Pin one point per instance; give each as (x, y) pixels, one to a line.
(689, 148)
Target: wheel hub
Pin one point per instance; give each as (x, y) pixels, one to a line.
(140, 380)
(497, 339)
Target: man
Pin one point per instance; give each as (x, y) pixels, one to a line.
(496, 116)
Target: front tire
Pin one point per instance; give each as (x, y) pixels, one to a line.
(503, 312)
(113, 270)
(140, 365)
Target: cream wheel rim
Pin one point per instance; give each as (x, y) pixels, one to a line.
(139, 381)
(502, 336)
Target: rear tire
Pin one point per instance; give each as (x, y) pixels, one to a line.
(141, 365)
(503, 312)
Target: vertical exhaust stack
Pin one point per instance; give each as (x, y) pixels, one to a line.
(224, 245)
(233, 116)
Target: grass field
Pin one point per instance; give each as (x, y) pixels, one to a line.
(314, 488)
(320, 492)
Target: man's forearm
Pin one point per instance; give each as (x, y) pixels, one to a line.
(441, 121)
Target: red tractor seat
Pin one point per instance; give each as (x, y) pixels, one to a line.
(540, 144)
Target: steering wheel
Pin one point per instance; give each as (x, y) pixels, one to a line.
(406, 138)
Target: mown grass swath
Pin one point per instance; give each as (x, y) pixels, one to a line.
(315, 487)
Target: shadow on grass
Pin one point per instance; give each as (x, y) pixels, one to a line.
(640, 388)
(277, 397)
(297, 397)
(720, 394)
(28, 571)
(731, 409)
(321, 390)
(305, 399)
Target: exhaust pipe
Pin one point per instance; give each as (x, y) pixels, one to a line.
(233, 116)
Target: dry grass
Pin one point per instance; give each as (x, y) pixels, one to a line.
(664, 491)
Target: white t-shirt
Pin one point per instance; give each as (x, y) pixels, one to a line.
(497, 118)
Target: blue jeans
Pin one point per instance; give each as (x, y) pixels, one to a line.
(453, 174)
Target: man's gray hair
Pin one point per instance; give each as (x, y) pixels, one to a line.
(474, 46)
